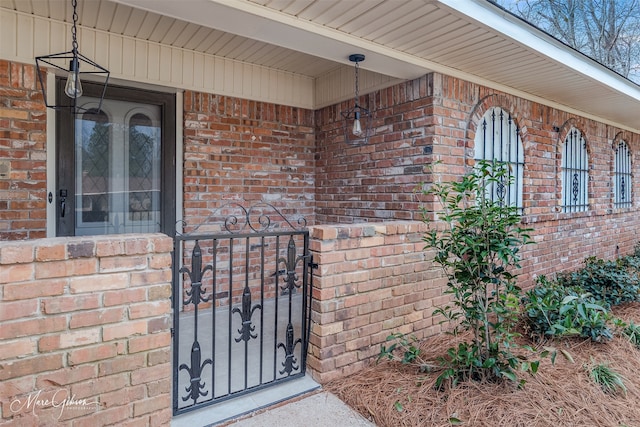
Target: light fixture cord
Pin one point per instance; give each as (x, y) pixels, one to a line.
(357, 92)
(74, 30)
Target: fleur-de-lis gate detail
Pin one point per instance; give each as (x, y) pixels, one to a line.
(195, 389)
(291, 283)
(246, 314)
(241, 297)
(290, 361)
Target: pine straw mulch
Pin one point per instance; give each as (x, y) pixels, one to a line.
(558, 395)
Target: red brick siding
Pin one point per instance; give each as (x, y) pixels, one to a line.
(246, 151)
(22, 143)
(433, 119)
(74, 323)
(376, 181)
(563, 239)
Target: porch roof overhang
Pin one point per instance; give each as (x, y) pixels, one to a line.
(471, 39)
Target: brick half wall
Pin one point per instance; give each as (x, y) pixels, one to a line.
(85, 331)
(372, 280)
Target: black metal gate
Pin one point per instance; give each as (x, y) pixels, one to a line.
(241, 291)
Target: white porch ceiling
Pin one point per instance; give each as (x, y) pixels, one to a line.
(470, 39)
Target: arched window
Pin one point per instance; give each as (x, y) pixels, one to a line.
(498, 138)
(621, 175)
(575, 173)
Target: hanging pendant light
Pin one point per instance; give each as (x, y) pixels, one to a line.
(74, 65)
(357, 120)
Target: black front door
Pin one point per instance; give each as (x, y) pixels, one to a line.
(116, 165)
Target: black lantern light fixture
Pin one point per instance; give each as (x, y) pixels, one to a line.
(78, 65)
(357, 120)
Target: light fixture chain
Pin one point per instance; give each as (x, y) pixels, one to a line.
(357, 83)
(74, 30)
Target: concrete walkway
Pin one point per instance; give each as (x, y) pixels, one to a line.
(297, 403)
(319, 409)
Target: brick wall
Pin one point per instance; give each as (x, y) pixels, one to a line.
(22, 148)
(373, 280)
(297, 160)
(85, 319)
(246, 151)
(376, 181)
(434, 119)
(234, 150)
(563, 240)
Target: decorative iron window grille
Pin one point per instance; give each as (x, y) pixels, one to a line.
(575, 173)
(498, 138)
(622, 175)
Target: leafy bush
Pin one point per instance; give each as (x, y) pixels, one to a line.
(609, 281)
(477, 248)
(552, 309)
(632, 263)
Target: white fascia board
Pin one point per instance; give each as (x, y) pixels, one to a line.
(540, 43)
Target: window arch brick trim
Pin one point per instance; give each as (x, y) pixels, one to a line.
(484, 105)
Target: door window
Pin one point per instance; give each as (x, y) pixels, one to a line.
(117, 168)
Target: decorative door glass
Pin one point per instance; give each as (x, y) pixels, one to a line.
(117, 168)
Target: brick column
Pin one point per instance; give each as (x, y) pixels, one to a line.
(23, 186)
(373, 280)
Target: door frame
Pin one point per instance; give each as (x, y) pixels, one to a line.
(65, 160)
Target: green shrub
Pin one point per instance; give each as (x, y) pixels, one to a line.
(552, 309)
(477, 248)
(632, 262)
(611, 282)
(632, 332)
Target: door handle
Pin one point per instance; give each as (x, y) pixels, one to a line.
(63, 202)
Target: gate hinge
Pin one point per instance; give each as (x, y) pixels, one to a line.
(172, 332)
(313, 265)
